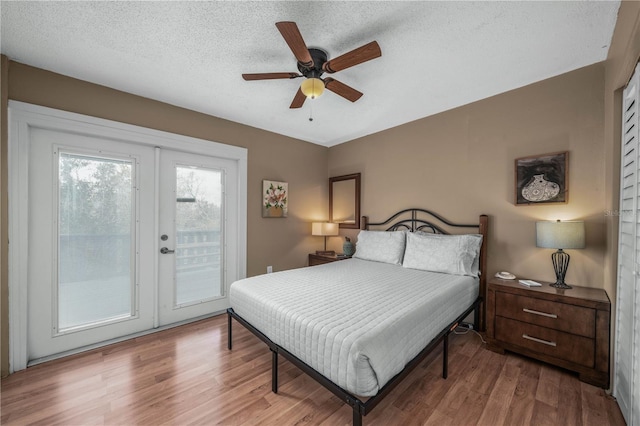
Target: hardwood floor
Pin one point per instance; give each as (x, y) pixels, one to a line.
(186, 375)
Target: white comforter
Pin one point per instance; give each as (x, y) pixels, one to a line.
(354, 321)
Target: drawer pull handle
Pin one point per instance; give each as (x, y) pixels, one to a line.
(535, 339)
(544, 314)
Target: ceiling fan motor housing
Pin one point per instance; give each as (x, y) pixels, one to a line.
(319, 58)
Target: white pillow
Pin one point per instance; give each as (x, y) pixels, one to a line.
(381, 246)
(475, 268)
(451, 254)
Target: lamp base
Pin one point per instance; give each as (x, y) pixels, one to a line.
(560, 261)
(561, 285)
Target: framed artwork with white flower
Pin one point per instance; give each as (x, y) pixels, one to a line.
(542, 179)
(275, 198)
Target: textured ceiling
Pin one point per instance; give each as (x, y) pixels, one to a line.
(435, 55)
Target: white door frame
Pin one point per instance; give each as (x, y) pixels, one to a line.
(22, 118)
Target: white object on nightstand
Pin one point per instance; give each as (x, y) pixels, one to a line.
(504, 275)
(530, 283)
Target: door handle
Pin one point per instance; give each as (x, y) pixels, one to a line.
(165, 250)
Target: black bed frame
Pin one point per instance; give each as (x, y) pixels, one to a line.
(362, 408)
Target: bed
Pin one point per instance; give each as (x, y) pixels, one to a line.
(359, 326)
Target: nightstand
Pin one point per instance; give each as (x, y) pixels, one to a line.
(319, 259)
(567, 328)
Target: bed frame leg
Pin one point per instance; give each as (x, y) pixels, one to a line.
(357, 417)
(476, 317)
(274, 371)
(229, 340)
(445, 356)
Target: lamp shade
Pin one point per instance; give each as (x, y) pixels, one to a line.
(560, 235)
(312, 87)
(324, 229)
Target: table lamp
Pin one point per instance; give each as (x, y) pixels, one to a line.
(560, 235)
(324, 229)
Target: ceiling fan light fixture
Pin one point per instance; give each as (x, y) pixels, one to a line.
(312, 87)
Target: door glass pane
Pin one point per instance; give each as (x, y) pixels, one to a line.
(198, 217)
(95, 224)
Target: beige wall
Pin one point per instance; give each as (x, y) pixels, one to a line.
(460, 163)
(282, 243)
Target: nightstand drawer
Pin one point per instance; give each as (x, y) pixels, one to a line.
(545, 313)
(557, 344)
(319, 261)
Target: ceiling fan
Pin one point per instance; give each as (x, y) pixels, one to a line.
(312, 63)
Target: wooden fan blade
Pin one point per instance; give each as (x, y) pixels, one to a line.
(357, 56)
(292, 36)
(298, 99)
(270, 75)
(342, 89)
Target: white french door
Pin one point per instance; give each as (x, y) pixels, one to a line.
(116, 231)
(91, 230)
(196, 253)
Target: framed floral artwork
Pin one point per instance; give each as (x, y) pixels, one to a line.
(542, 179)
(275, 198)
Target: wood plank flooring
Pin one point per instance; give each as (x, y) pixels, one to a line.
(186, 376)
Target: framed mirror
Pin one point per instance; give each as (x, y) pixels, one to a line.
(344, 200)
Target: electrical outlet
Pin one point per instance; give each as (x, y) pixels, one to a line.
(269, 269)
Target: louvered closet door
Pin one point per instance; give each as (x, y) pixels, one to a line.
(627, 350)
